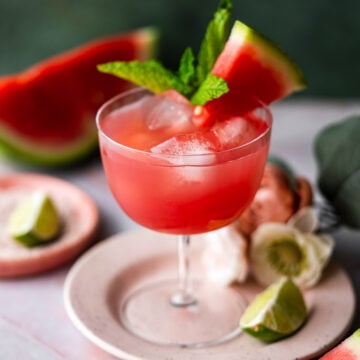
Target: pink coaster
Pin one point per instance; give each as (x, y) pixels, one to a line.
(79, 217)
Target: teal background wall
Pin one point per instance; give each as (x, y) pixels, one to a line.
(323, 36)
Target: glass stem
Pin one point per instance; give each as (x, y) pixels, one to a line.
(184, 297)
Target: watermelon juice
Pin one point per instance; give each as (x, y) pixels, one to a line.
(170, 176)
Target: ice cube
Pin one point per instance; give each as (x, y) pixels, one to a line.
(198, 143)
(234, 132)
(164, 111)
(187, 144)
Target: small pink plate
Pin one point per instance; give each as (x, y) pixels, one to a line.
(78, 214)
(101, 277)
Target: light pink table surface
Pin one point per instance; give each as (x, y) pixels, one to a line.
(33, 321)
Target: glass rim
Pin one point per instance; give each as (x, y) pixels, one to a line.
(138, 89)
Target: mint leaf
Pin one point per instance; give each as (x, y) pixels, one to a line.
(214, 40)
(211, 88)
(186, 70)
(150, 74)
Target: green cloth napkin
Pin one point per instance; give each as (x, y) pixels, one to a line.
(337, 151)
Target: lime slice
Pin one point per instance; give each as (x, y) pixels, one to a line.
(35, 220)
(276, 312)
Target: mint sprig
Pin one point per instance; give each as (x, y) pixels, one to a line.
(193, 79)
(216, 34)
(187, 69)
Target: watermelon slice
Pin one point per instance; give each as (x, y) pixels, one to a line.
(47, 112)
(349, 349)
(255, 70)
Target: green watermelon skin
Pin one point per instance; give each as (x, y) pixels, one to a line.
(47, 112)
(255, 70)
(349, 349)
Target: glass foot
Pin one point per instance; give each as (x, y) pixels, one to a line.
(151, 314)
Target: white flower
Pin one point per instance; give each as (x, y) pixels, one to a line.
(278, 250)
(224, 256)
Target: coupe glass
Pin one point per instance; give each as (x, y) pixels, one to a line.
(181, 195)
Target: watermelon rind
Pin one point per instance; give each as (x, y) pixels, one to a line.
(349, 349)
(15, 147)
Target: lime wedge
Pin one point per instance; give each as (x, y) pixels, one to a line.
(35, 220)
(276, 312)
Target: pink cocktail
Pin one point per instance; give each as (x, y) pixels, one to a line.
(170, 176)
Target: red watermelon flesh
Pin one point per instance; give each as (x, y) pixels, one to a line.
(349, 349)
(47, 112)
(255, 69)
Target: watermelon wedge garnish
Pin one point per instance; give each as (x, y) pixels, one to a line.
(47, 112)
(255, 69)
(349, 349)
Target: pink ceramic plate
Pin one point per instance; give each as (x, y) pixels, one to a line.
(100, 279)
(78, 214)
